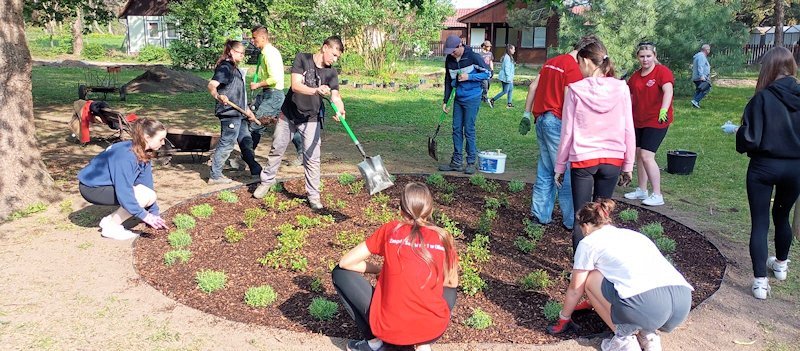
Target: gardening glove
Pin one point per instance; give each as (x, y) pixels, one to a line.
(559, 179)
(625, 179)
(662, 115)
(525, 124)
(155, 221)
(563, 325)
(729, 128)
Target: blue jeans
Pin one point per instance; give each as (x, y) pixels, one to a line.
(233, 129)
(464, 116)
(508, 88)
(702, 87)
(548, 135)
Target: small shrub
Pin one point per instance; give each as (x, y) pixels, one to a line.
(449, 188)
(491, 203)
(93, 51)
(477, 180)
(479, 319)
(534, 230)
(355, 187)
(252, 215)
(446, 198)
(270, 200)
(232, 235)
(449, 225)
(65, 206)
(524, 244)
(629, 215)
(516, 186)
(503, 198)
(551, 310)
(471, 282)
(174, 256)
(478, 249)
(323, 309)
(287, 205)
(179, 239)
(436, 180)
(278, 187)
(348, 240)
(536, 280)
(228, 196)
(665, 245)
(153, 53)
(27, 211)
(306, 222)
(653, 230)
(346, 179)
(316, 285)
(184, 221)
(380, 199)
(260, 296)
(490, 186)
(210, 281)
(381, 214)
(202, 211)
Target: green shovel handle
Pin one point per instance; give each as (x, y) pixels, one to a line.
(349, 131)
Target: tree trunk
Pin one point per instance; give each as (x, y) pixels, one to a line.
(110, 29)
(97, 27)
(778, 22)
(77, 33)
(24, 179)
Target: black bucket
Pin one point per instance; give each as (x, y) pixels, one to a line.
(680, 161)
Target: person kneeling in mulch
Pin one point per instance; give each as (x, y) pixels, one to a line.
(633, 288)
(416, 290)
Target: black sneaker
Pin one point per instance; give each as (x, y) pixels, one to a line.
(452, 167)
(491, 103)
(510, 106)
(470, 169)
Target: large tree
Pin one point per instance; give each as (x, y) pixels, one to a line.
(24, 179)
(45, 13)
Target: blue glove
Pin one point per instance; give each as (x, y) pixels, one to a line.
(729, 128)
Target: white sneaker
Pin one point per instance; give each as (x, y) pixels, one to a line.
(639, 194)
(616, 343)
(761, 288)
(117, 232)
(780, 269)
(649, 341)
(654, 200)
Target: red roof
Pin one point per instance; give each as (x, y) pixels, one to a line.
(452, 21)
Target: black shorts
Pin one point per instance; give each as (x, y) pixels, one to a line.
(99, 195)
(650, 138)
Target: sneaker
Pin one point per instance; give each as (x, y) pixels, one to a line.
(654, 200)
(362, 345)
(638, 194)
(761, 288)
(298, 161)
(220, 180)
(450, 167)
(649, 341)
(510, 106)
(584, 305)
(616, 343)
(491, 103)
(315, 204)
(779, 269)
(261, 191)
(115, 231)
(470, 169)
(695, 104)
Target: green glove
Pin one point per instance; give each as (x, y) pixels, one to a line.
(662, 115)
(525, 124)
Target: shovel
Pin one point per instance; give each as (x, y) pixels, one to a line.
(375, 175)
(432, 139)
(242, 111)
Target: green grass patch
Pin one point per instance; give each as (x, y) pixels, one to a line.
(260, 296)
(323, 309)
(665, 245)
(209, 281)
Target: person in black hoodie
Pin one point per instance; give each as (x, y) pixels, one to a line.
(770, 135)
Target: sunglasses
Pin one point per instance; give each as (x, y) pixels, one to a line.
(647, 43)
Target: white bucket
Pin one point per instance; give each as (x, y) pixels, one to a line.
(492, 161)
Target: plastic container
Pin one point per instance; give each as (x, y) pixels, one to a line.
(680, 161)
(492, 162)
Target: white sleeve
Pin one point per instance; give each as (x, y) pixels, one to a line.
(584, 257)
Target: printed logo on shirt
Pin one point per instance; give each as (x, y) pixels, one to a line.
(393, 241)
(651, 83)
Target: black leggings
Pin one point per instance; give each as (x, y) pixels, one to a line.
(764, 174)
(589, 184)
(356, 294)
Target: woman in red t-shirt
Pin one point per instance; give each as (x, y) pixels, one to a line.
(417, 283)
(651, 97)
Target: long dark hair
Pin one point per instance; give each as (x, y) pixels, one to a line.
(597, 53)
(510, 46)
(776, 62)
(142, 129)
(226, 53)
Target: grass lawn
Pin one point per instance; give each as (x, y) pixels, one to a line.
(395, 123)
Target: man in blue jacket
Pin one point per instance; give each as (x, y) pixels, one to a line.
(701, 74)
(464, 71)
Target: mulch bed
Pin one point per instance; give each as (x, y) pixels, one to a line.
(516, 313)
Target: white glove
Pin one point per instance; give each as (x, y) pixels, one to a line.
(729, 128)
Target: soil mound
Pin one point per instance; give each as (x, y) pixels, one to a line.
(160, 79)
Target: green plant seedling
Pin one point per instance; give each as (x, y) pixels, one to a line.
(287, 205)
(491, 203)
(451, 226)
(228, 196)
(348, 240)
(471, 282)
(270, 200)
(629, 215)
(446, 198)
(449, 188)
(478, 320)
(534, 230)
(516, 186)
(380, 199)
(490, 186)
(27, 211)
(252, 215)
(323, 309)
(551, 309)
(179, 239)
(355, 187)
(524, 244)
(174, 256)
(202, 211)
(278, 188)
(436, 180)
(210, 281)
(652, 230)
(316, 285)
(536, 280)
(232, 235)
(260, 296)
(184, 221)
(346, 179)
(665, 245)
(477, 180)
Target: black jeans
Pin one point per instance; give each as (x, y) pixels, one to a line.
(356, 294)
(764, 175)
(589, 184)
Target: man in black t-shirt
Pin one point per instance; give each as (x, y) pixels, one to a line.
(312, 79)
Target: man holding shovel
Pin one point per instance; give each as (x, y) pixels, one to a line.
(312, 78)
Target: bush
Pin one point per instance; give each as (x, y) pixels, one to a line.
(536, 280)
(446, 198)
(652, 230)
(665, 245)
(348, 240)
(210, 281)
(534, 230)
(477, 180)
(479, 319)
(260, 296)
(227, 196)
(202, 211)
(316, 285)
(346, 179)
(471, 282)
(516, 186)
(436, 180)
(93, 51)
(551, 310)
(490, 186)
(629, 215)
(251, 215)
(355, 187)
(184, 221)
(171, 257)
(323, 309)
(179, 239)
(491, 203)
(232, 235)
(153, 53)
(524, 244)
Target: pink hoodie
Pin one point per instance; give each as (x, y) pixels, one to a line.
(597, 122)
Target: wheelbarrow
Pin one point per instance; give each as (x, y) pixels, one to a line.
(101, 82)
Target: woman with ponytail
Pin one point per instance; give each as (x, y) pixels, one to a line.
(597, 137)
(122, 175)
(416, 289)
(627, 281)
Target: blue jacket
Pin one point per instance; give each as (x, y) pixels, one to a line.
(470, 63)
(700, 67)
(507, 70)
(118, 166)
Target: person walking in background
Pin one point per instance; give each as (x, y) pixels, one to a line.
(228, 85)
(122, 175)
(488, 58)
(464, 71)
(416, 290)
(597, 137)
(546, 99)
(701, 74)
(506, 76)
(651, 94)
(770, 135)
(627, 281)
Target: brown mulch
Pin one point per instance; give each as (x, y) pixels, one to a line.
(160, 79)
(517, 314)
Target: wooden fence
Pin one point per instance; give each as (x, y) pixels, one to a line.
(754, 52)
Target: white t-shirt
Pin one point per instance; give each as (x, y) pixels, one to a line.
(627, 259)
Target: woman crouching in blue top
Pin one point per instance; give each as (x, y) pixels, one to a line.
(122, 175)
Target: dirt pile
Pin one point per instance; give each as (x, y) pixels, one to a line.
(160, 79)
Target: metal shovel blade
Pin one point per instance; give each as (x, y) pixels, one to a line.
(432, 144)
(375, 175)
